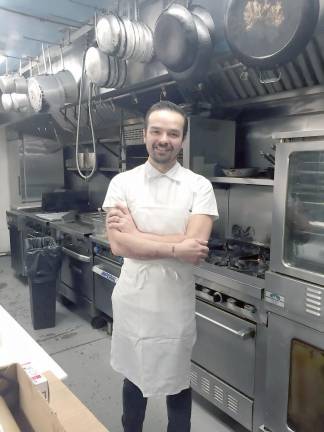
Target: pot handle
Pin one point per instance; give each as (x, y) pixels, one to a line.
(49, 60)
(272, 80)
(44, 59)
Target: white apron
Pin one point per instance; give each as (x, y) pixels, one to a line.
(154, 312)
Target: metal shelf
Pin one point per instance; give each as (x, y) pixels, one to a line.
(112, 170)
(240, 180)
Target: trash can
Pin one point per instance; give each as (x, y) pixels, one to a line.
(43, 260)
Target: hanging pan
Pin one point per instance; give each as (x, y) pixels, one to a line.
(68, 82)
(207, 19)
(197, 71)
(266, 33)
(175, 38)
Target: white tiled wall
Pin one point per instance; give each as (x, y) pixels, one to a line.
(4, 193)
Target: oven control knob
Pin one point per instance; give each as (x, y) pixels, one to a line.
(249, 309)
(231, 303)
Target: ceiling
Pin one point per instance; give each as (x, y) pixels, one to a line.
(59, 16)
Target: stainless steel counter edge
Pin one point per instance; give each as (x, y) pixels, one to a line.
(237, 281)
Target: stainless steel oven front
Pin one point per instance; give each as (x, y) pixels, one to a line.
(295, 377)
(297, 243)
(106, 274)
(75, 279)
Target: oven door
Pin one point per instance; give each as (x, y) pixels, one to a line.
(295, 377)
(105, 274)
(297, 243)
(76, 274)
(225, 347)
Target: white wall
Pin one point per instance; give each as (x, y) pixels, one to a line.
(4, 192)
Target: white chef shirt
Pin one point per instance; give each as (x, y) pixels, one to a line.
(179, 187)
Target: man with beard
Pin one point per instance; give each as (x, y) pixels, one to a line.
(160, 217)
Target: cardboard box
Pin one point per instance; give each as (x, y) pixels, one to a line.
(39, 380)
(63, 413)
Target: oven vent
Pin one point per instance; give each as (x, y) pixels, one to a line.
(205, 385)
(133, 134)
(218, 394)
(194, 378)
(232, 404)
(313, 301)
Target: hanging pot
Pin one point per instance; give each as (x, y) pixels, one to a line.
(97, 66)
(46, 93)
(7, 81)
(6, 101)
(175, 38)
(20, 102)
(108, 33)
(267, 33)
(197, 71)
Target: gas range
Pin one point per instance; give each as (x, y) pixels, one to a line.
(244, 257)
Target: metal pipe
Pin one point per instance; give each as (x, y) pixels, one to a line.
(80, 23)
(40, 40)
(27, 15)
(88, 6)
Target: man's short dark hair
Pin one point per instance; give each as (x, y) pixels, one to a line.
(168, 106)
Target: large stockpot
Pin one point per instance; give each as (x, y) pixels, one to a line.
(265, 34)
(69, 84)
(46, 93)
(175, 38)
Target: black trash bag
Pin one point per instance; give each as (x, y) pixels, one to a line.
(43, 259)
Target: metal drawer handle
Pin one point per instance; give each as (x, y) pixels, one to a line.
(75, 255)
(103, 273)
(243, 334)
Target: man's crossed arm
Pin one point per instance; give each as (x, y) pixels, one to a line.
(126, 240)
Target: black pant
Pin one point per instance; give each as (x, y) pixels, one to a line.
(134, 406)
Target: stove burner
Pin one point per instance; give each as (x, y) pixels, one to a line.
(240, 256)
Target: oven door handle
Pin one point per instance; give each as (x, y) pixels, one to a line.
(243, 334)
(104, 273)
(79, 257)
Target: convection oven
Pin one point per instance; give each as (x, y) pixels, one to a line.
(295, 288)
